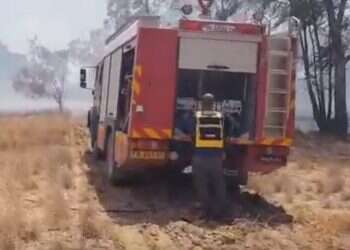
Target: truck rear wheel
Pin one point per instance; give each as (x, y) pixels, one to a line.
(114, 175)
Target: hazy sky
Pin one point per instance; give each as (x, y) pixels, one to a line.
(56, 22)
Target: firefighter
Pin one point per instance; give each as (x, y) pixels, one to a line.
(208, 159)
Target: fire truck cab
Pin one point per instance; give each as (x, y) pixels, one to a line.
(150, 79)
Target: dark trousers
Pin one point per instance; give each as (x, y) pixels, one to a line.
(209, 181)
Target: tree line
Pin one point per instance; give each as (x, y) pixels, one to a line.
(324, 41)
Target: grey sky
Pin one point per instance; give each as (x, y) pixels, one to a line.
(56, 22)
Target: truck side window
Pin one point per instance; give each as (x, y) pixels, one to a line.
(98, 84)
(124, 100)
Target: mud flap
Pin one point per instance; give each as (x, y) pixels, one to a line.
(114, 175)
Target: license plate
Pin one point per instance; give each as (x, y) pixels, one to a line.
(148, 155)
(271, 159)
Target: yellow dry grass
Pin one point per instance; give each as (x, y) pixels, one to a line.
(21, 133)
(34, 156)
(46, 201)
(90, 225)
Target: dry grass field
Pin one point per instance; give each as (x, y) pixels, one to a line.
(39, 189)
(53, 196)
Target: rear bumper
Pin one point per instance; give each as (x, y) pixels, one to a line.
(285, 142)
(249, 157)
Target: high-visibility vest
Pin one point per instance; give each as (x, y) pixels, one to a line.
(209, 130)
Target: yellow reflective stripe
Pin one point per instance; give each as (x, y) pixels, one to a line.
(136, 80)
(167, 133)
(287, 142)
(138, 70)
(244, 141)
(136, 134)
(267, 141)
(152, 133)
(137, 87)
(276, 142)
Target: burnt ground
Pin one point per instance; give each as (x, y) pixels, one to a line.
(164, 198)
(274, 211)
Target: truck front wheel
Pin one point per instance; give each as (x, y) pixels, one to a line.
(96, 152)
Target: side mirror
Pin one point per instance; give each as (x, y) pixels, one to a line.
(83, 83)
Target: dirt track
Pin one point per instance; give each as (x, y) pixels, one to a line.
(292, 211)
(66, 204)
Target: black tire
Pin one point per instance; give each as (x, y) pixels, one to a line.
(114, 175)
(96, 152)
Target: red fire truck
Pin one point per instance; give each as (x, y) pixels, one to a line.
(151, 75)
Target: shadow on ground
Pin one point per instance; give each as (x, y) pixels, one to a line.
(163, 198)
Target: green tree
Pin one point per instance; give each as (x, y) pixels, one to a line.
(88, 51)
(227, 8)
(322, 41)
(44, 75)
(118, 11)
(338, 23)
